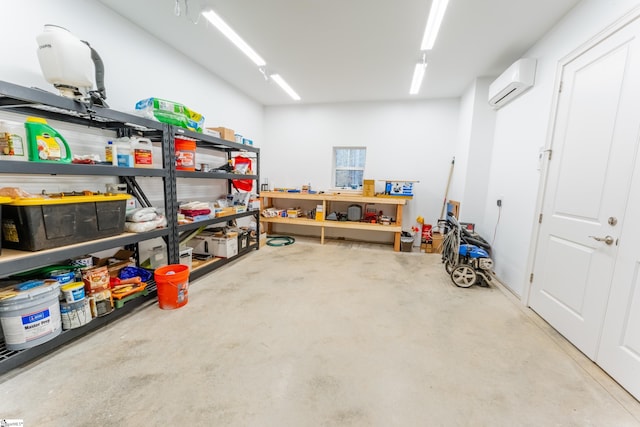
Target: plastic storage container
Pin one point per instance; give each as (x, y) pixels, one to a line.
(142, 150)
(3, 200)
(45, 143)
(111, 153)
(185, 154)
(173, 286)
(186, 256)
(36, 224)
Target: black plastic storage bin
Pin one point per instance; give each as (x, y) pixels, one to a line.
(243, 240)
(3, 199)
(36, 224)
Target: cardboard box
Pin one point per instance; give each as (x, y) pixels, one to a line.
(117, 262)
(216, 244)
(225, 247)
(210, 131)
(399, 188)
(369, 188)
(225, 133)
(437, 239)
(226, 211)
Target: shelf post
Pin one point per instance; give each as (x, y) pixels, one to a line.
(170, 192)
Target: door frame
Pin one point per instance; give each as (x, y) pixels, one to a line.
(547, 151)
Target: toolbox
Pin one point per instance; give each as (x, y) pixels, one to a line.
(34, 224)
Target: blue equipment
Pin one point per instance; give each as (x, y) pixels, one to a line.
(465, 255)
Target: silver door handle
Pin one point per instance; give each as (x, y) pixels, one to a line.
(607, 239)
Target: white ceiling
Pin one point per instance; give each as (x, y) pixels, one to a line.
(349, 50)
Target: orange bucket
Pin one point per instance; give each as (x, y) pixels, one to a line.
(173, 286)
(185, 154)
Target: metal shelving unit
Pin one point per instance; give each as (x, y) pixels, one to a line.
(208, 142)
(31, 101)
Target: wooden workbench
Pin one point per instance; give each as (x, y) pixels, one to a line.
(267, 197)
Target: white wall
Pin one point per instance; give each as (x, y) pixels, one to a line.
(137, 65)
(473, 154)
(522, 128)
(404, 140)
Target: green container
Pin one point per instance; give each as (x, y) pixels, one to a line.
(45, 143)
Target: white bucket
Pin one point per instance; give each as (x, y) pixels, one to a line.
(32, 315)
(72, 292)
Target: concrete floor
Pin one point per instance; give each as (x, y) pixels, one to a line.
(333, 335)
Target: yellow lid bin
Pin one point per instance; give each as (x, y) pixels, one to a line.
(33, 224)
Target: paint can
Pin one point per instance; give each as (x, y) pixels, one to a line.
(30, 313)
(101, 303)
(72, 292)
(63, 276)
(75, 314)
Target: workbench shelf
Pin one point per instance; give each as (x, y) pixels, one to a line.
(267, 201)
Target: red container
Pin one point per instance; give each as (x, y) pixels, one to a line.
(185, 154)
(173, 286)
(426, 233)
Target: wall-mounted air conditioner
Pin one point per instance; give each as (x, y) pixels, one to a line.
(513, 82)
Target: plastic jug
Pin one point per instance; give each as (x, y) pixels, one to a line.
(111, 153)
(11, 143)
(142, 152)
(124, 153)
(45, 143)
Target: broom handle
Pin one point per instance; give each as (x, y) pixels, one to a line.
(446, 191)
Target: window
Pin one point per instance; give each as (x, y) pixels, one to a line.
(348, 167)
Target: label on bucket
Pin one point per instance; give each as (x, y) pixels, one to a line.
(185, 159)
(75, 314)
(29, 327)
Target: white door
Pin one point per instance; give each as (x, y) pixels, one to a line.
(594, 145)
(619, 352)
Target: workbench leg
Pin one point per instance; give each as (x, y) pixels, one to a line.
(322, 235)
(396, 240)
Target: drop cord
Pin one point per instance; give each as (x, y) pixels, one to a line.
(495, 230)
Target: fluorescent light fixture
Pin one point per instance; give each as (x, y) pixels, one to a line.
(278, 79)
(436, 14)
(234, 37)
(418, 75)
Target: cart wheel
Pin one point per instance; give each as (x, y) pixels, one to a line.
(448, 265)
(463, 276)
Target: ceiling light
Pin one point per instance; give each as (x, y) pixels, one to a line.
(418, 75)
(278, 79)
(436, 14)
(234, 37)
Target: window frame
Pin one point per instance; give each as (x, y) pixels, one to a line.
(335, 167)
